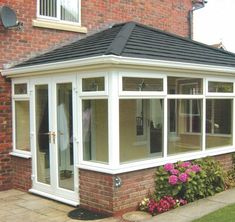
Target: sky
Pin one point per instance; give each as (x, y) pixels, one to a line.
(216, 23)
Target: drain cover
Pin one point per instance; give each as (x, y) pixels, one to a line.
(84, 214)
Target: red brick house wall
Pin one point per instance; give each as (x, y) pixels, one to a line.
(17, 45)
(98, 191)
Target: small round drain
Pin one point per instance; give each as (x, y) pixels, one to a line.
(84, 214)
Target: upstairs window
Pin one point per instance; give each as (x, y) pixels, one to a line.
(62, 10)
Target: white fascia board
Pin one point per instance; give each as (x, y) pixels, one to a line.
(117, 60)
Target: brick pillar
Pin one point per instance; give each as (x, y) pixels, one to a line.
(22, 171)
(5, 134)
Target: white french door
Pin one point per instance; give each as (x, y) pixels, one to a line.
(55, 148)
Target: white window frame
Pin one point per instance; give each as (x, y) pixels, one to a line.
(57, 19)
(137, 74)
(93, 93)
(15, 98)
(113, 93)
(220, 94)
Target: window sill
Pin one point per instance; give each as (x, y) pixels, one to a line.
(58, 25)
(22, 155)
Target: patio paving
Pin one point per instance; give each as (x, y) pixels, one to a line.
(25, 207)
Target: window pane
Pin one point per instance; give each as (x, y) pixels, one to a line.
(69, 10)
(42, 134)
(219, 120)
(142, 84)
(184, 129)
(224, 87)
(178, 85)
(93, 84)
(48, 8)
(65, 135)
(95, 130)
(141, 129)
(20, 88)
(22, 127)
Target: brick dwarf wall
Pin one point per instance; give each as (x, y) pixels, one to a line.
(97, 190)
(22, 171)
(226, 161)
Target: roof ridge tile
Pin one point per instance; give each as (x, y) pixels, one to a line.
(119, 42)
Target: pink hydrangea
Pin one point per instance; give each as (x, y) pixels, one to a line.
(196, 168)
(188, 171)
(173, 180)
(169, 166)
(174, 171)
(185, 164)
(183, 177)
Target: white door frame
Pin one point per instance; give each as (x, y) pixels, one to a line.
(53, 190)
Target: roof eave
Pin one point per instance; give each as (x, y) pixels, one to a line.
(116, 60)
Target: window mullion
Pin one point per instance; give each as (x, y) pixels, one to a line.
(165, 134)
(58, 5)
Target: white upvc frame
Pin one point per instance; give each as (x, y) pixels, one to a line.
(113, 92)
(138, 74)
(92, 95)
(93, 75)
(54, 190)
(220, 94)
(58, 19)
(15, 98)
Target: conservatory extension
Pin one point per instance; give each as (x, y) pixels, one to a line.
(92, 114)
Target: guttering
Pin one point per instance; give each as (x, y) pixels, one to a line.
(112, 60)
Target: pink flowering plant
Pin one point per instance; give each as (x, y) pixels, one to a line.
(166, 203)
(182, 182)
(189, 180)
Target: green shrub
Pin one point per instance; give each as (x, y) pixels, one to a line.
(189, 180)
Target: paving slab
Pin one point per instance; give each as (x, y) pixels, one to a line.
(136, 216)
(23, 207)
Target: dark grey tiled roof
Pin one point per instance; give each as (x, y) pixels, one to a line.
(137, 41)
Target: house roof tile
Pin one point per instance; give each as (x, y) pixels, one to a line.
(137, 41)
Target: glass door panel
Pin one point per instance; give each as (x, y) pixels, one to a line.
(65, 136)
(42, 134)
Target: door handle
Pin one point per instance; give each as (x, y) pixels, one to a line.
(53, 137)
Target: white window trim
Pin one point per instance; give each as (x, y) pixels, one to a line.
(20, 81)
(57, 19)
(227, 80)
(16, 151)
(93, 93)
(18, 97)
(151, 75)
(91, 96)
